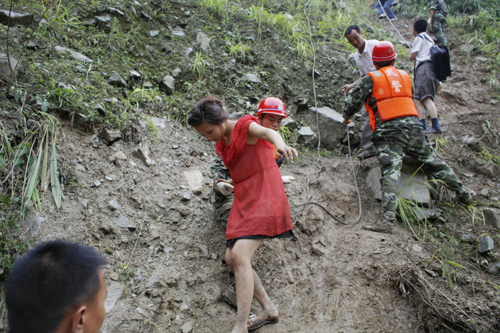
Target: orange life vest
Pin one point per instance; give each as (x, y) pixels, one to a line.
(393, 95)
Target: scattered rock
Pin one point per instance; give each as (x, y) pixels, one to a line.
(493, 268)
(117, 156)
(153, 282)
(116, 80)
(178, 31)
(15, 18)
(114, 276)
(167, 85)
(467, 48)
(289, 123)
(123, 221)
(103, 22)
(472, 143)
(187, 327)
(73, 54)
(252, 77)
(143, 152)
(485, 244)
(467, 238)
(5, 69)
(203, 40)
(481, 59)
(110, 136)
(308, 137)
(114, 205)
(318, 249)
(97, 183)
(80, 167)
(489, 169)
(114, 292)
(493, 102)
(194, 179)
(154, 33)
(187, 195)
(492, 217)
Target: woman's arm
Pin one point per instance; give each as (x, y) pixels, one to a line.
(272, 136)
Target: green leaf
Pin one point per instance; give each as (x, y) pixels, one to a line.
(454, 264)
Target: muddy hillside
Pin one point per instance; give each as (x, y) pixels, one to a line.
(95, 149)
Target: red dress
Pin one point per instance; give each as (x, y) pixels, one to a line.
(260, 204)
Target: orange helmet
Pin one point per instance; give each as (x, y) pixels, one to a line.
(384, 51)
(272, 105)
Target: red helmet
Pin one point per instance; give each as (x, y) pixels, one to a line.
(272, 105)
(384, 51)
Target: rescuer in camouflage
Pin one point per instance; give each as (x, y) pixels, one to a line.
(437, 21)
(394, 139)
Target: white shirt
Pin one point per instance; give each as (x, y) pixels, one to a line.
(422, 44)
(364, 61)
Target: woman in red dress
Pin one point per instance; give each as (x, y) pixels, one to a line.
(260, 209)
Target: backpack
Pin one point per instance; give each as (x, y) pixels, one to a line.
(440, 58)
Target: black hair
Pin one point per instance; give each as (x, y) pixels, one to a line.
(350, 29)
(420, 25)
(209, 110)
(49, 281)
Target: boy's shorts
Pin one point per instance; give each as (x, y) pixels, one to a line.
(425, 82)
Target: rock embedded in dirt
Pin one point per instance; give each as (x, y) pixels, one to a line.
(117, 156)
(492, 217)
(167, 85)
(331, 125)
(485, 244)
(114, 205)
(187, 195)
(114, 292)
(123, 221)
(109, 135)
(187, 327)
(5, 69)
(307, 137)
(153, 282)
(116, 80)
(143, 152)
(493, 268)
(203, 40)
(73, 54)
(467, 238)
(489, 169)
(12, 18)
(289, 123)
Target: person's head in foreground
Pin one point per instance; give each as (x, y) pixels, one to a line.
(209, 118)
(56, 287)
(384, 54)
(271, 113)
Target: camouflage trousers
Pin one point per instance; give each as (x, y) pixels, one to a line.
(437, 28)
(396, 138)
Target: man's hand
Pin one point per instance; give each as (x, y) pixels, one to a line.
(348, 87)
(429, 22)
(224, 186)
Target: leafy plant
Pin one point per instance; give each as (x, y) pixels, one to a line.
(200, 64)
(285, 133)
(239, 50)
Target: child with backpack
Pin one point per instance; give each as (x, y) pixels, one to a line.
(260, 208)
(424, 88)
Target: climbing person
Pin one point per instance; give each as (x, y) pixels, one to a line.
(363, 59)
(424, 89)
(385, 10)
(56, 287)
(271, 112)
(260, 208)
(387, 95)
(437, 21)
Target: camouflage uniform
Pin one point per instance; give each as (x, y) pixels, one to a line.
(439, 21)
(393, 140)
(222, 203)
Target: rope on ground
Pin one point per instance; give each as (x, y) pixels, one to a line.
(387, 16)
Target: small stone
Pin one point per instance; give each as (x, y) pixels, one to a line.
(481, 59)
(467, 238)
(114, 276)
(114, 205)
(252, 77)
(318, 249)
(493, 102)
(114, 292)
(154, 33)
(143, 153)
(117, 156)
(492, 217)
(123, 222)
(187, 195)
(110, 136)
(485, 244)
(187, 327)
(80, 167)
(493, 268)
(97, 183)
(153, 281)
(416, 248)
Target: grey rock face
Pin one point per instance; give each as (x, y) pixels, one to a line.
(331, 125)
(15, 18)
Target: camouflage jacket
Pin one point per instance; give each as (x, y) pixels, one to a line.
(220, 201)
(362, 92)
(439, 6)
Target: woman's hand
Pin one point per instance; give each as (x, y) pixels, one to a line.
(286, 152)
(230, 181)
